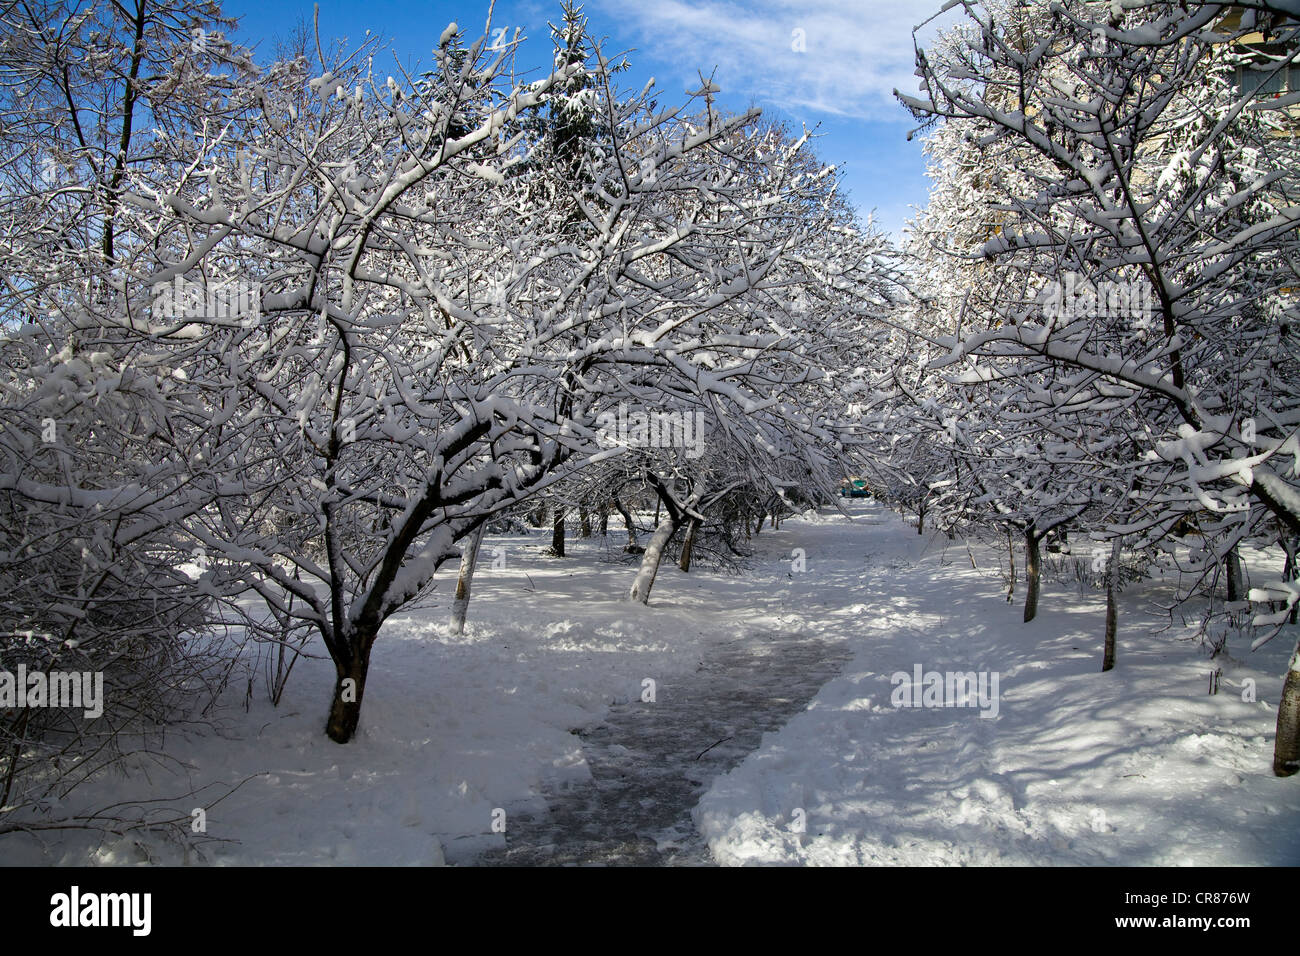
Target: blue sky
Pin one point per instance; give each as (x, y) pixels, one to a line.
(853, 54)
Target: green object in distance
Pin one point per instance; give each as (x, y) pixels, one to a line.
(853, 487)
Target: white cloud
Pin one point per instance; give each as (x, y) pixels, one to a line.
(855, 54)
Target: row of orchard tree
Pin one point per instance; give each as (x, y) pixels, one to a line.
(280, 338)
(1105, 352)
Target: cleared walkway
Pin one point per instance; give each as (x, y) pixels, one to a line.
(651, 762)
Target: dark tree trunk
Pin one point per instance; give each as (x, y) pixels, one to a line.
(557, 534)
(688, 544)
(1011, 560)
(584, 520)
(1108, 654)
(627, 520)
(1112, 608)
(1289, 569)
(604, 521)
(1232, 565)
(1033, 573)
(538, 517)
(1286, 745)
(349, 687)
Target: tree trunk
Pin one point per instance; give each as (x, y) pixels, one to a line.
(538, 517)
(1232, 564)
(1289, 569)
(557, 534)
(584, 520)
(677, 515)
(468, 561)
(1011, 560)
(345, 710)
(1286, 744)
(654, 551)
(604, 521)
(627, 520)
(920, 520)
(1112, 608)
(688, 544)
(1032, 574)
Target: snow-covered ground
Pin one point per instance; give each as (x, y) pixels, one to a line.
(1137, 766)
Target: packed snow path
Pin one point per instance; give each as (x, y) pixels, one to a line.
(651, 761)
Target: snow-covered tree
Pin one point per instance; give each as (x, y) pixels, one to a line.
(93, 100)
(1156, 183)
(428, 340)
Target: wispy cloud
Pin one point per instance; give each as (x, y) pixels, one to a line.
(843, 58)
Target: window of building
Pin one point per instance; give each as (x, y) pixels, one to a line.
(1267, 79)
